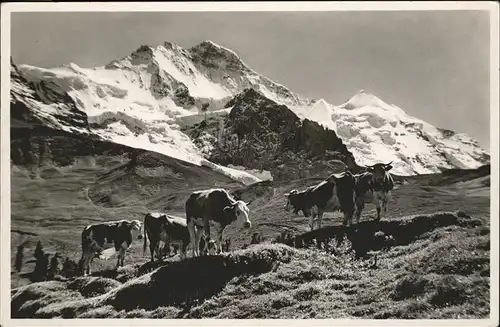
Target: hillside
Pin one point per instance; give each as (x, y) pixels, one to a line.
(436, 267)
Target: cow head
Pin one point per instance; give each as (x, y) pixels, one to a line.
(136, 224)
(293, 201)
(212, 247)
(379, 170)
(135, 227)
(239, 210)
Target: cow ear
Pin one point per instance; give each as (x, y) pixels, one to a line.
(248, 203)
(388, 167)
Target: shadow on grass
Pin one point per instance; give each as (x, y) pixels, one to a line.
(191, 281)
(372, 235)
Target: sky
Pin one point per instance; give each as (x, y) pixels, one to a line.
(432, 64)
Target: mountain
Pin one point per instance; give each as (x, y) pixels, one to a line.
(259, 133)
(375, 131)
(49, 129)
(43, 104)
(157, 97)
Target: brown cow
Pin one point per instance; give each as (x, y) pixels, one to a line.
(213, 206)
(334, 193)
(96, 236)
(168, 229)
(374, 186)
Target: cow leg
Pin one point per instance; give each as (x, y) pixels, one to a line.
(164, 251)
(199, 231)
(387, 197)
(182, 251)
(81, 265)
(316, 211)
(192, 237)
(153, 245)
(121, 254)
(85, 262)
(347, 220)
(360, 205)
(118, 260)
(384, 206)
(320, 217)
(311, 221)
(206, 228)
(218, 240)
(90, 260)
(378, 209)
(85, 268)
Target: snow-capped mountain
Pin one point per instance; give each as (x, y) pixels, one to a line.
(142, 100)
(44, 105)
(375, 131)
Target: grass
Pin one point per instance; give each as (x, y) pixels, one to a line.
(437, 266)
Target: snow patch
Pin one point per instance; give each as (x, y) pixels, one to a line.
(263, 175)
(241, 176)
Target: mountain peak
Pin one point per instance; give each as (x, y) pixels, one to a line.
(170, 45)
(144, 49)
(212, 44)
(362, 99)
(212, 51)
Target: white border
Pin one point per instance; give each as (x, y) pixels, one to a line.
(8, 8)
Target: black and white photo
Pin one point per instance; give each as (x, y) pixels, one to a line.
(231, 160)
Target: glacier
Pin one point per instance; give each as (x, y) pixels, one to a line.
(375, 131)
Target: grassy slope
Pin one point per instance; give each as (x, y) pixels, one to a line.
(59, 204)
(445, 264)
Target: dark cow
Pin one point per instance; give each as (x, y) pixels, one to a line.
(168, 229)
(374, 186)
(214, 206)
(334, 193)
(96, 236)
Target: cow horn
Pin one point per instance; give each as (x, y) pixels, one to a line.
(388, 163)
(248, 203)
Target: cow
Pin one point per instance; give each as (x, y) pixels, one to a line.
(215, 206)
(334, 193)
(212, 247)
(96, 236)
(166, 228)
(374, 186)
